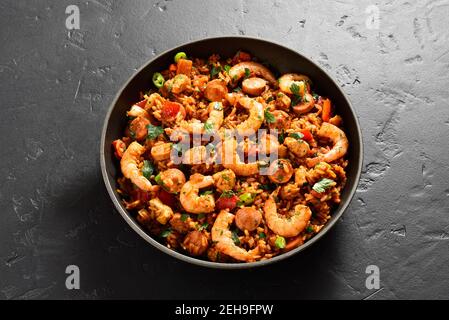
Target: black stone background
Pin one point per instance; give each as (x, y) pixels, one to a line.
(56, 86)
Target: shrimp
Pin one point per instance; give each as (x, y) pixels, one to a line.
(298, 147)
(224, 241)
(130, 168)
(214, 121)
(286, 81)
(216, 90)
(241, 69)
(231, 160)
(172, 180)
(254, 86)
(233, 98)
(283, 225)
(338, 138)
(307, 104)
(189, 198)
(255, 119)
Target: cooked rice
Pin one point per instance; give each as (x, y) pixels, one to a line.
(288, 195)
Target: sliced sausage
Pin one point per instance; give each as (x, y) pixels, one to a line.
(254, 86)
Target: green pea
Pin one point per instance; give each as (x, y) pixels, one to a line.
(280, 242)
(246, 198)
(158, 79)
(180, 55)
(158, 180)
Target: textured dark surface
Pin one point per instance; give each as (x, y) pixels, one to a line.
(56, 87)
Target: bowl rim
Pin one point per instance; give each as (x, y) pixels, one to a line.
(220, 265)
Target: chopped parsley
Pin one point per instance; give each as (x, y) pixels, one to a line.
(322, 185)
(154, 131)
(296, 99)
(281, 137)
(207, 192)
(214, 71)
(184, 217)
(235, 237)
(147, 169)
(227, 68)
(201, 216)
(247, 73)
(262, 235)
(267, 187)
(309, 229)
(209, 127)
(203, 226)
(294, 88)
(227, 194)
(269, 99)
(296, 135)
(269, 118)
(165, 233)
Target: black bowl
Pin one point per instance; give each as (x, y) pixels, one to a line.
(282, 60)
